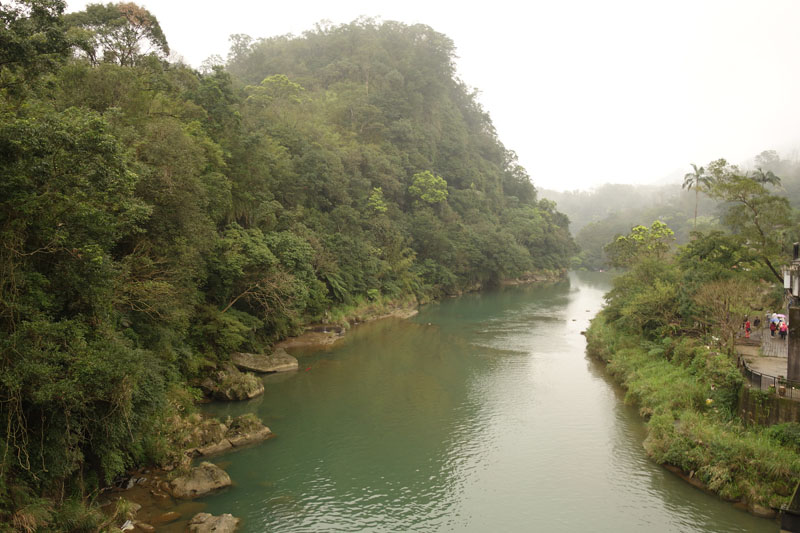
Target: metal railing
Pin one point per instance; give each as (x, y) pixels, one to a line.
(781, 386)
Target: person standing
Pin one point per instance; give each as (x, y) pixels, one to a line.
(747, 328)
(784, 330)
(772, 328)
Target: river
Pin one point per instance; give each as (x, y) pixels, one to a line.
(482, 413)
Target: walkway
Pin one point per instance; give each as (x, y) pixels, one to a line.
(766, 359)
(774, 346)
(764, 353)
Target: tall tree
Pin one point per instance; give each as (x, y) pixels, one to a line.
(32, 40)
(119, 33)
(696, 179)
(758, 217)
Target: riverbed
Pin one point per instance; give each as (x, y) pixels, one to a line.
(481, 413)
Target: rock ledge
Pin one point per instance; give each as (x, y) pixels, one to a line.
(277, 361)
(199, 481)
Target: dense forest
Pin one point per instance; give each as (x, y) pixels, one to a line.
(154, 218)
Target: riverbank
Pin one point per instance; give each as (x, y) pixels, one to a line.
(316, 336)
(688, 395)
(340, 320)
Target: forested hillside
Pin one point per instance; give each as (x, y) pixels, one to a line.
(155, 218)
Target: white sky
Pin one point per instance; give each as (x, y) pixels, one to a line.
(585, 91)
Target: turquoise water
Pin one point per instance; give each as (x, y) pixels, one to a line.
(480, 414)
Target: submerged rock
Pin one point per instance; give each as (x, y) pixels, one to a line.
(207, 523)
(199, 481)
(166, 518)
(277, 361)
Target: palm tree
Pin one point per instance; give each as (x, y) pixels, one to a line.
(696, 179)
(765, 177)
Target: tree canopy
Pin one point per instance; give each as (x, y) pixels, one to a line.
(155, 219)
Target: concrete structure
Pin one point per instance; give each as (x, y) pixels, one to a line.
(791, 284)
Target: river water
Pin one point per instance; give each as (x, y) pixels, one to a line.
(482, 413)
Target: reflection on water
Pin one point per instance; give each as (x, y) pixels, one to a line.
(482, 413)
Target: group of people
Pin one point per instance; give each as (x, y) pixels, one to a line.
(777, 324)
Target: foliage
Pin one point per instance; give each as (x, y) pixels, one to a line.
(689, 394)
(640, 243)
(155, 219)
(118, 33)
(697, 179)
(667, 334)
(428, 188)
(758, 217)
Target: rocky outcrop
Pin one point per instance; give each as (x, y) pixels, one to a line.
(199, 481)
(277, 361)
(213, 437)
(230, 384)
(207, 523)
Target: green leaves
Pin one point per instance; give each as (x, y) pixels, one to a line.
(642, 242)
(429, 188)
(119, 33)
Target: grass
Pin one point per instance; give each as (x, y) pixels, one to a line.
(688, 395)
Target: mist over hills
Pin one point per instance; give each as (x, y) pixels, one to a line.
(598, 215)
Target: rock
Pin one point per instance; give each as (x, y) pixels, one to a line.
(231, 384)
(200, 480)
(761, 511)
(277, 361)
(159, 495)
(247, 429)
(210, 431)
(166, 518)
(250, 438)
(206, 523)
(215, 448)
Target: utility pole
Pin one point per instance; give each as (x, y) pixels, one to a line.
(791, 285)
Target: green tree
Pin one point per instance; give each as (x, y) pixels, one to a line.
(642, 242)
(119, 33)
(33, 40)
(376, 201)
(428, 187)
(759, 218)
(696, 179)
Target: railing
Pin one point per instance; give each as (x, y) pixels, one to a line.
(783, 387)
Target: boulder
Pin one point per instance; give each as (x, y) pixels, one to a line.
(207, 523)
(199, 481)
(277, 361)
(231, 384)
(247, 429)
(250, 438)
(215, 448)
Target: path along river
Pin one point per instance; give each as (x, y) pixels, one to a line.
(482, 413)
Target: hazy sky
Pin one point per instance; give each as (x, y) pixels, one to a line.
(587, 91)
